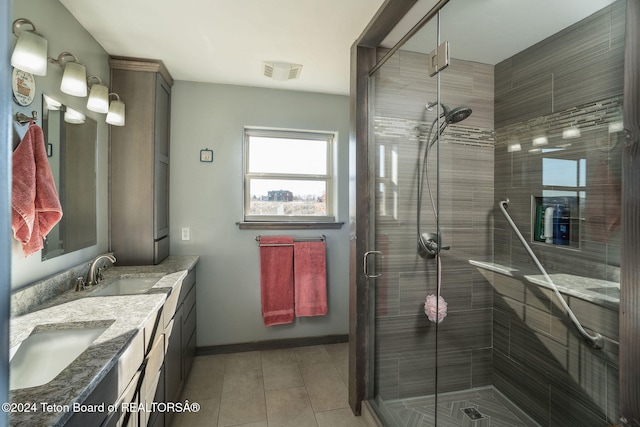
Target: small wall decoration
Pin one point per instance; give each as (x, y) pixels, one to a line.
(24, 87)
(206, 155)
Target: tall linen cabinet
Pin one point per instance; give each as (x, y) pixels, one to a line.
(139, 162)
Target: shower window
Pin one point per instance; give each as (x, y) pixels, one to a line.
(288, 176)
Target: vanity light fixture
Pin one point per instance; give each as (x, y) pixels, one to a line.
(540, 140)
(30, 53)
(512, 148)
(98, 96)
(616, 126)
(74, 117)
(571, 132)
(115, 116)
(51, 104)
(74, 78)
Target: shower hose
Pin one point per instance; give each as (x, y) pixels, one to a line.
(596, 340)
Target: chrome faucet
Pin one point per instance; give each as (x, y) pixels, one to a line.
(91, 277)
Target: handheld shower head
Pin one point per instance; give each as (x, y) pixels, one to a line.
(451, 116)
(456, 115)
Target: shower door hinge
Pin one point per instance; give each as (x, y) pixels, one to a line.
(439, 59)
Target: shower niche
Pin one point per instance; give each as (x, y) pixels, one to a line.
(556, 220)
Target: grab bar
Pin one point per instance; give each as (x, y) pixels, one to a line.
(596, 340)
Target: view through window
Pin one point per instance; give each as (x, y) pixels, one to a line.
(288, 175)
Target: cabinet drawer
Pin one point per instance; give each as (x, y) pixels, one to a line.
(187, 285)
(130, 361)
(189, 325)
(152, 329)
(154, 363)
(168, 332)
(189, 354)
(171, 304)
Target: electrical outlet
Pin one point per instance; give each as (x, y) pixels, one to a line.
(186, 235)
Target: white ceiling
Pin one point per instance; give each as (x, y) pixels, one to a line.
(226, 41)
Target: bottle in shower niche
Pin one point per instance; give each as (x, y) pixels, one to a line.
(561, 225)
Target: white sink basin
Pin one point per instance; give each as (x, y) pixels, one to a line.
(128, 286)
(44, 354)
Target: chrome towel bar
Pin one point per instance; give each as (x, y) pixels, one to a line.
(299, 239)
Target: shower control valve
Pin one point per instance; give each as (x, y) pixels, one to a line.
(429, 245)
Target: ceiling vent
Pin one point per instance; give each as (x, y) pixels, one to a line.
(282, 71)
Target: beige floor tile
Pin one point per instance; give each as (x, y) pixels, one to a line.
(339, 354)
(274, 388)
(339, 418)
(325, 386)
(247, 361)
(289, 407)
(282, 376)
(205, 379)
(285, 356)
(207, 416)
(312, 354)
(242, 399)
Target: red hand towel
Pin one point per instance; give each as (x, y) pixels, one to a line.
(276, 280)
(310, 278)
(35, 205)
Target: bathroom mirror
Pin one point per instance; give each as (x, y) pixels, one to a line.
(71, 138)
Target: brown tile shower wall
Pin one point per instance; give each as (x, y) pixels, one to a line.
(539, 360)
(405, 338)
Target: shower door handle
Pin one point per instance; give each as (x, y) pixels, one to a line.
(365, 265)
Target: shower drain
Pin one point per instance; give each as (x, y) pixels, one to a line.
(472, 413)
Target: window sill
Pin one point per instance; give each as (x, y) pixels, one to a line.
(275, 225)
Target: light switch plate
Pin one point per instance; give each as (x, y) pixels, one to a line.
(206, 155)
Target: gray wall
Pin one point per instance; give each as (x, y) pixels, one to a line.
(64, 33)
(207, 198)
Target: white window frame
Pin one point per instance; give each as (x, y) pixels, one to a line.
(328, 178)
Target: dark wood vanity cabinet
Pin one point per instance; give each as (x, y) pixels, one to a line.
(139, 162)
(181, 342)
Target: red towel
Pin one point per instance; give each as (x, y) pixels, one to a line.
(35, 205)
(310, 278)
(276, 280)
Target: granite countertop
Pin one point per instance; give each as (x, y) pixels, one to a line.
(597, 291)
(123, 315)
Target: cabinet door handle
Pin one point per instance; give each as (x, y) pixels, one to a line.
(365, 265)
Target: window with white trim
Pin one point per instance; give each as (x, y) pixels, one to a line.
(288, 175)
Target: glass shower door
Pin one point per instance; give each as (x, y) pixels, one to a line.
(530, 126)
(404, 164)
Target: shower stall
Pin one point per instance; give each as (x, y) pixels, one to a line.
(475, 104)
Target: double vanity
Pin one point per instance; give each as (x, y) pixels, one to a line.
(112, 354)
